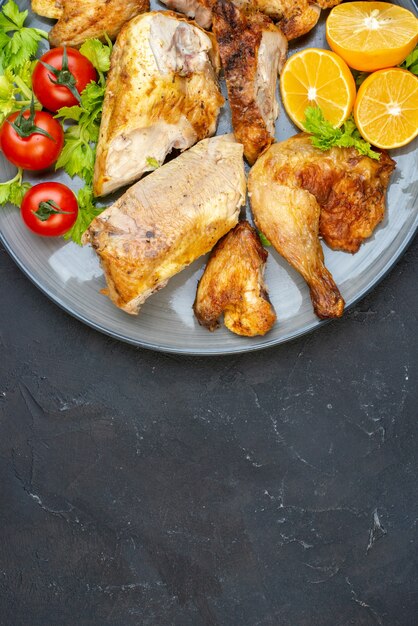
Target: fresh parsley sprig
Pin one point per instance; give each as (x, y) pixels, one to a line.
(18, 47)
(78, 155)
(98, 54)
(13, 190)
(264, 239)
(16, 90)
(18, 44)
(411, 62)
(87, 211)
(324, 136)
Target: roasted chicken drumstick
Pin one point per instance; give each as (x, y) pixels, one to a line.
(299, 192)
(233, 284)
(289, 218)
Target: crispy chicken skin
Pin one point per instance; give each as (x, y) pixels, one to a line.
(48, 8)
(233, 284)
(295, 17)
(251, 49)
(167, 220)
(289, 217)
(84, 19)
(349, 188)
(162, 93)
(298, 18)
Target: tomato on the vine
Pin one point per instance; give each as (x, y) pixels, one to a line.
(49, 209)
(60, 76)
(31, 139)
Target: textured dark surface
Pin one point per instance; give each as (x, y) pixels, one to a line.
(274, 488)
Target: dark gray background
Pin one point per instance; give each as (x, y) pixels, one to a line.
(273, 488)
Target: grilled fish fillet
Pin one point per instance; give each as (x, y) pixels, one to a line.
(48, 8)
(162, 93)
(252, 49)
(233, 284)
(84, 19)
(169, 219)
(289, 217)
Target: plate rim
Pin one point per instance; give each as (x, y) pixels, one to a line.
(312, 327)
(238, 349)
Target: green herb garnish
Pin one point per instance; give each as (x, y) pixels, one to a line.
(264, 239)
(411, 62)
(324, 136)
(13, 190)
(87, 211)
(18, 44)
(79, 153)
(152, 162)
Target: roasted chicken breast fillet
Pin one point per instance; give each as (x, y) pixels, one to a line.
(48, 8)
(169, 219)
(232, 284)
(85, 19)
(162, 93)
(289, 218)
(252, 49)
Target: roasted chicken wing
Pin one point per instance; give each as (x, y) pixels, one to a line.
(48, 8)
(169, 219)
(83, 19)
(289, 217)
(162, 93)
(233, 284)
(252, 49)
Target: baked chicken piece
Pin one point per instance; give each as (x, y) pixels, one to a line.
(198, 10)
(252, 50)
(289, 218)
(298, 191)
(295, 17)
(84, 19)
(48, 8)
(169, 219)
(162, 93)
(233, 284)
(349, 187)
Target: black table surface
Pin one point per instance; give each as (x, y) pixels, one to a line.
(271, 488)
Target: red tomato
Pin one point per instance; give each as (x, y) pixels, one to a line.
(33, 151)
(49, 209)
(73, 72)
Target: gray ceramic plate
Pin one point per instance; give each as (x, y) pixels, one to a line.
(72, 278)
